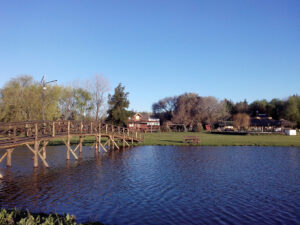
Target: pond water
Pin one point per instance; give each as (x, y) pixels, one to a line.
(160, 185)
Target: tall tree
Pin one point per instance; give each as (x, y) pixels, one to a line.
(275, 108)
(118, 104)
(21, 100)
(241, 107)
(212, 110)
(258, 107)
(292, 109)
(164, 108)
(187, 110)
(98, 86)
(83, 104)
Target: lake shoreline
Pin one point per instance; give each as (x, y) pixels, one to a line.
(16, 216)
(206, 139)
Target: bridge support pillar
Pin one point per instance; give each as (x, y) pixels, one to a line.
(68, 146)
(96, 143)
(44, 150)
(8, 157)
(99, 142)
(80, 144)
(35, 154)
(108, 143)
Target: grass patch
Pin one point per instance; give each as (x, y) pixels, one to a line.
(89, 140)
(208, 139)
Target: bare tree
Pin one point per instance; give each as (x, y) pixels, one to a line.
(99, 87)
(192, 110)
(241, 120)
(187, 110)
(213, 110)
(164, 108)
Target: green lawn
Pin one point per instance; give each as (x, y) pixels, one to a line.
(221, 140)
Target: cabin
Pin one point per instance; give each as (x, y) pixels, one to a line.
(143, 122)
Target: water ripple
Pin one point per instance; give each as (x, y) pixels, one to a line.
(161, 185)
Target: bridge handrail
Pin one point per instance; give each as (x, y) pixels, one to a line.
(14, 131)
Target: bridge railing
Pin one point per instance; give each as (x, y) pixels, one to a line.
(21, 131)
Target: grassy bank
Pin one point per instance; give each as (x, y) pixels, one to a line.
(21, 217)
(222, 140)
(207, 139)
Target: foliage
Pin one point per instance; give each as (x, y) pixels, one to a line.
(118, 104)
(292, 109)
(21, 100)
(190, 110)
(241, 121)
(82, 103)
(11, 217)
(164, 108)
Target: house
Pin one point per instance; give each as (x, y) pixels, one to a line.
(143, 122)
(263, 123)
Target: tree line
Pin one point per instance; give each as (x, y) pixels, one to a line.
(193, 111)
(24, 99)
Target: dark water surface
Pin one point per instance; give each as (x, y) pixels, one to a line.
(161, 185)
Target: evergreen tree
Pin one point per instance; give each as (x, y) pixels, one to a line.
(118, 104)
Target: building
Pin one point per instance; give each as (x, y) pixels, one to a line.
(263, 123)
(143, 122)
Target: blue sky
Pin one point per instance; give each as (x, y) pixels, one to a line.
(242, 49)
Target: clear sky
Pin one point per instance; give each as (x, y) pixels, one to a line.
(242, 49)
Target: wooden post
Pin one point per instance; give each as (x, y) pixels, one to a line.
(35, 154)
(91, 131)
(68, 141)
(15, 134)
(96, 142)
(108, 143)
(3, 156)
(80, 144)
(112, 143)
(106, 127)
(44, 149)
(8, 157)
(53, 129)
(36, 147)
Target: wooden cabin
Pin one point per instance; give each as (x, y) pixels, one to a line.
(143, 122)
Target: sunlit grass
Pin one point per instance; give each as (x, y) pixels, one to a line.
(208, 139)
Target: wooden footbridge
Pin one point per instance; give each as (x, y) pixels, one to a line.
(37, 134)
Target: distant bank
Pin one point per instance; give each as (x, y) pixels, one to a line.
(208, 139)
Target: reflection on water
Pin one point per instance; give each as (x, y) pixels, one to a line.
(160, 185)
